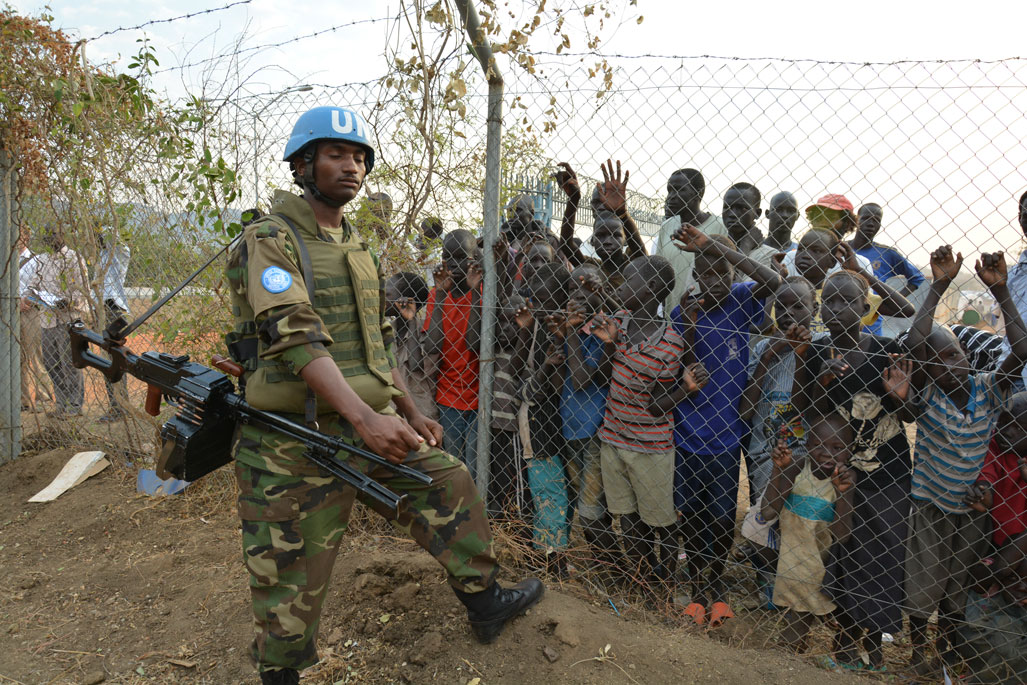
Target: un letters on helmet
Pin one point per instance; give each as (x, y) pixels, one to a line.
(330, 123)
(345, 121)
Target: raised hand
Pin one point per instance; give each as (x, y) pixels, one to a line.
(475, 275)
(591, 281)
(779, 263)
(945, 267)
(555, 356)
(690, 239)
(978, 497)
(613, 191)
(604, 328)
(406, 307)
(782, 455)
(568, 182)
(523, 317)
(556, 324)
(690, 306)
(800, 338)
(991, 269)
(575, 315)
(846, 256)
(834, 368)
(694, 377)
(896, 378)
(443, 279)
(842, 479)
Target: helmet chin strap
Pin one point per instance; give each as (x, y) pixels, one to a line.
(310, 185)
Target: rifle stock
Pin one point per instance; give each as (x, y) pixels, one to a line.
(198, 439)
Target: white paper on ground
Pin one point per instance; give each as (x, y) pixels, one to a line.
(80, 467)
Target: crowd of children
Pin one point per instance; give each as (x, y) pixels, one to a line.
(636, 409)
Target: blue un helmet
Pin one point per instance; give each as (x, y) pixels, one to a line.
(330, 123)
(325, 123)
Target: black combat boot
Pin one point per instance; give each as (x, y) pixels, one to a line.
(490, 610)
(283, 676)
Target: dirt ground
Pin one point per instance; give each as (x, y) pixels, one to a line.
(104, 585)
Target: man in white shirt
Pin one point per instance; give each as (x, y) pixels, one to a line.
(114, 258)
(58, 286)
(685, 191)
(741, 210)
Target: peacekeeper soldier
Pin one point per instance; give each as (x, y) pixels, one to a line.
(308, 303)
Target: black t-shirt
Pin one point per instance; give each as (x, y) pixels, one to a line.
(881, 448)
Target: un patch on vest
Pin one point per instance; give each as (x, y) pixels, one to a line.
(275, 280)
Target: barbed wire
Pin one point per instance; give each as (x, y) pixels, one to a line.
(170, 19)
(267, 46)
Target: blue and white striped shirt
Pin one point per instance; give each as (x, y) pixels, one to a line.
(951, 442)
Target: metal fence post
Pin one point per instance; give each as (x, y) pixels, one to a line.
(10, 318)
(486, 369)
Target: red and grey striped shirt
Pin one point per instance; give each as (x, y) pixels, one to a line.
(637, 369)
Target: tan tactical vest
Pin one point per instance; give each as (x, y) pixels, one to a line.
(346, 298)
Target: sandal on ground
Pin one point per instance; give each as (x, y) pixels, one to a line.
(825, 662)
(861, 666)
(697, 612)
(719, 613)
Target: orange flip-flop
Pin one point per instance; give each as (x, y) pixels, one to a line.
(697, 612)
(719, 613)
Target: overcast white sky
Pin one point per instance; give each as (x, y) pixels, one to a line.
(950, 209)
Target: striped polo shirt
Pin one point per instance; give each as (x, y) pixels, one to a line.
(951, 442)
(637, 369)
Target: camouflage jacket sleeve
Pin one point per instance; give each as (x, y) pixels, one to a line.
(289, 329)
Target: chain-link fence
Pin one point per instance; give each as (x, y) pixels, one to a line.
(739, 430)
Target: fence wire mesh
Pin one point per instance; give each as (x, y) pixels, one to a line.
(746, 429)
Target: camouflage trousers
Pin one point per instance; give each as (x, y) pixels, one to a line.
(293, 518)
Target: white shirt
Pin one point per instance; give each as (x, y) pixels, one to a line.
(26, 272)
(58, 276)
(683, 262)
(114, 267)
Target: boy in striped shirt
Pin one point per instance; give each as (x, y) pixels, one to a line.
(956, 414)
(637, 451)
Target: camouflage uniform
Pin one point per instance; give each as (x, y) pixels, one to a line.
(293, 516)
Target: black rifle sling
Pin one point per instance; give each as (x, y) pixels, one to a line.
(310, 413)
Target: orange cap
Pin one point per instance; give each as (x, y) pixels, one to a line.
(839, 202)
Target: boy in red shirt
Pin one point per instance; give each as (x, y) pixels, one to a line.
(457, 287)
(1003, 480)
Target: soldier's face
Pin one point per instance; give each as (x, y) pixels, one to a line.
(339, 170)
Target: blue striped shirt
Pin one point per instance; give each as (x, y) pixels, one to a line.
(951, 442)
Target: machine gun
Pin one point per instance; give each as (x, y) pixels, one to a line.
(198, 439)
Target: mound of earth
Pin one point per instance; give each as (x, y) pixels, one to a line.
(105, 585)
